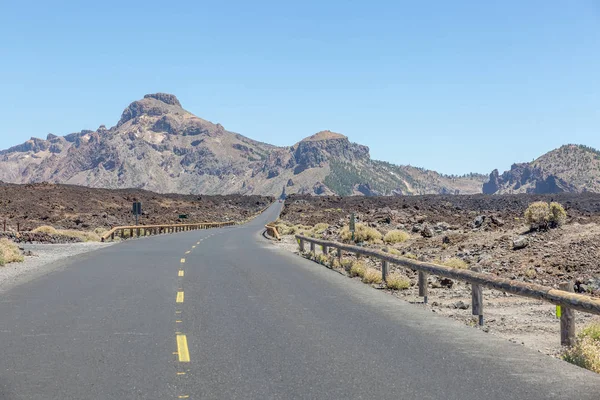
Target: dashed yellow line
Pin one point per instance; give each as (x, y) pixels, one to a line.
(185, 396)
(181, 273)
(183, 260)
(180, 297)
(188, 252)
(193, 247)
(181, 373)
(178, 321)
(182, 349)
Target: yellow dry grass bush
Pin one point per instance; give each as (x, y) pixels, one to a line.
(347, 264)
(335, 263)
(395, 281)
(396, 236)
(411, 256)
(320, 228)
(558, 215)
(394, 252)
(9, 252)
(455, 262)
(358, 269)
(45, 229)
(82, 235)
(372, 276)
(537, 214)
(586, 351)
(363, 233)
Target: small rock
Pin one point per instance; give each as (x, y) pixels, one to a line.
(497, 221)
(446, 282)
(461, 305)
(427, 232)
(520, 243)
(477, 222)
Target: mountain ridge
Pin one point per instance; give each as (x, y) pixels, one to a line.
(157, 145)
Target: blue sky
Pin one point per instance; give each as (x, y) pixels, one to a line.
(455, 86)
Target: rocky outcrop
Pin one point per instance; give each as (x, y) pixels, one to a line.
(525, 178)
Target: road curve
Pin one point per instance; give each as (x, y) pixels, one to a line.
(224, 314)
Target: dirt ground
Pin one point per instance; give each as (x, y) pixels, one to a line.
(82, 208)
(479, 230)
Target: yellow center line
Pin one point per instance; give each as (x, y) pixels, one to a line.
(181, 373)
(188, 252)
(178, 321)
(183, 260)
(184, 397)
(181, 273)
(177, 312)
(193, 247)
(180, 297)
(182, 349)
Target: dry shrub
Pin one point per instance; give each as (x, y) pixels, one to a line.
(558, 215)
(363, 233)
(320, 228)
(410, 255)
(395, 281)
(530, 273)
(335, 263)
(45, 229)
(396, 236)
(322, 259)
(455, 262)
(537, 215)
(84, 236)
(9, 252)
(394, 251)
(372, 276)
(586, 351)
(358, 269)
(347, 264)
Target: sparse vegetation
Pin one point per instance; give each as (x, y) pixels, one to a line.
(396, 236)
(558, 215)
(363, 233)
(84, 236)
(537, 215)
(394, 251)
(411, 256)
(395, 281)
(320, 228)
(454, 262)
(347, 264)
(541, 215)
(372, 275)
(9, 252)
(358, 269)
(586, 352)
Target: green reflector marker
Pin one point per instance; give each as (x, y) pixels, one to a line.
(558, 312)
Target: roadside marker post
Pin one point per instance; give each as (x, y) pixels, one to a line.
(352, 224)
(137, 211)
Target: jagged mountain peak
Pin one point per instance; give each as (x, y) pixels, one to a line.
(569, 168)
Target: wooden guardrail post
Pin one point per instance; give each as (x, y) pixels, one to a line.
(301, 244)
(384, 270)
(477, 298)
(325, 250)
(567, 319)
(423, 286)
(312, 246)
(339, 255)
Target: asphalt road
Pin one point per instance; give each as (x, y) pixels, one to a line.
(256, 322)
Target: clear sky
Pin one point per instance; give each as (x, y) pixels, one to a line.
(455, 86)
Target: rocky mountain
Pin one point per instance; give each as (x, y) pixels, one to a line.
(570, 168)
(157, 145)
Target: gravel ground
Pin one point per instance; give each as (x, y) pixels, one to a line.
(45, 258)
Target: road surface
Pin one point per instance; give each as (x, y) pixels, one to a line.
(224, 314)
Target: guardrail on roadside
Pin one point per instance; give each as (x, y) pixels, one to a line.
(272, 231)
(150, 230)
(564, 298)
